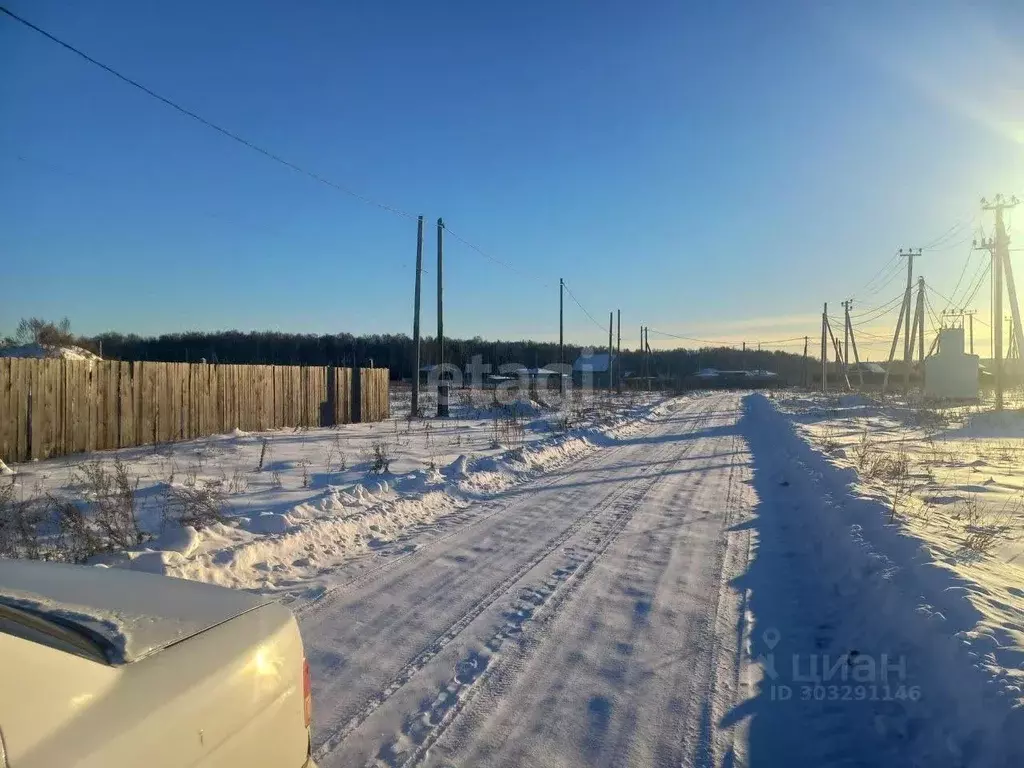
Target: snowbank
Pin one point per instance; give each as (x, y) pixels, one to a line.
(48, 351)
(959, 631)
(299, 504)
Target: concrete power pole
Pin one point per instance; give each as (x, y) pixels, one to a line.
(806, 373)
(846, 332)
(970, 325)
(618, 350)
(561, 334)
(443, 391)
(611, 318)
(1000, 250)
(416, 321)
(824, 348)
(906, 320)
(920, 329)
(852, 339)
(647, 356)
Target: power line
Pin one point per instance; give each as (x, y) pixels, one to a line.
(892, 264)
(209, 124)
(491, 258)
(868, 315)
(688, 338)
(940, 295)
(953, 231)
(573, 297)
(980, 276)
(963, 272)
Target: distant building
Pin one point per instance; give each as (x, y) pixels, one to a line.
(595, 365)
(950, 373)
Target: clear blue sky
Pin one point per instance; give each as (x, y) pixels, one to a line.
(716, 169)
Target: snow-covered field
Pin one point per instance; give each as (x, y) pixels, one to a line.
(297, 503)
(709, 580)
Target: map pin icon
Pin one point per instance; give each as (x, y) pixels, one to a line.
(771, 637)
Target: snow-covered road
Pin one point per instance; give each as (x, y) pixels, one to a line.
(582, 619)
(661, 602)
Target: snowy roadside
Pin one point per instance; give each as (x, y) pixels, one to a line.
(277, 512)
(909, 497)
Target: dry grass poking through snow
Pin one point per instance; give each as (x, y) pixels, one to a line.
(281, 508)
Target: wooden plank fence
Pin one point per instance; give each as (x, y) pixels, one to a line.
(58, 407)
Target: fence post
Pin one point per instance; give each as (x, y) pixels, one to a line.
(357, 395)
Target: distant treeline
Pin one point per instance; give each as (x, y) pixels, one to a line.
(395, 351)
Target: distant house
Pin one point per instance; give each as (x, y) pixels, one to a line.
(536, 374)
(593, 368)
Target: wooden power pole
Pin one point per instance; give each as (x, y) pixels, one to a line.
(443, 390)
(416, 321)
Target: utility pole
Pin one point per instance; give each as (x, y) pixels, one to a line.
(611, 317)
(839, 353)
(643, 353)
(618, 350)
(561, 335)
(846, 330)
(847, 305)
(806, 341)
(910, 253)
(443, 387)
(970, 325)
(920, 329)
(1000, 250)
(850, 338)
(647, 355)
(416, 321)
(824, 348)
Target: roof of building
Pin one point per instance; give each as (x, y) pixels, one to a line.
(594, 363)
(535, 372)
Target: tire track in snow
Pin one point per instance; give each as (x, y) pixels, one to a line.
(332, 742)
(665, 561)
(424, 728)
(543, 481)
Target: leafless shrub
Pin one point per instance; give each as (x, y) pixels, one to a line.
(110, 496)
(894, 472)
(984, 527)
(195, 506)
(264, 446)
(335, 461)
(191, 475)
(304, 463)
(275, 479)
(20, 522)
(77, 540)
(508, 429)
(239, 482)
(827, 441)
(381, 457)
(1008, 451)
(863, 450)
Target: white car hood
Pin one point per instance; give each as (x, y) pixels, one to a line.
(135, 613)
